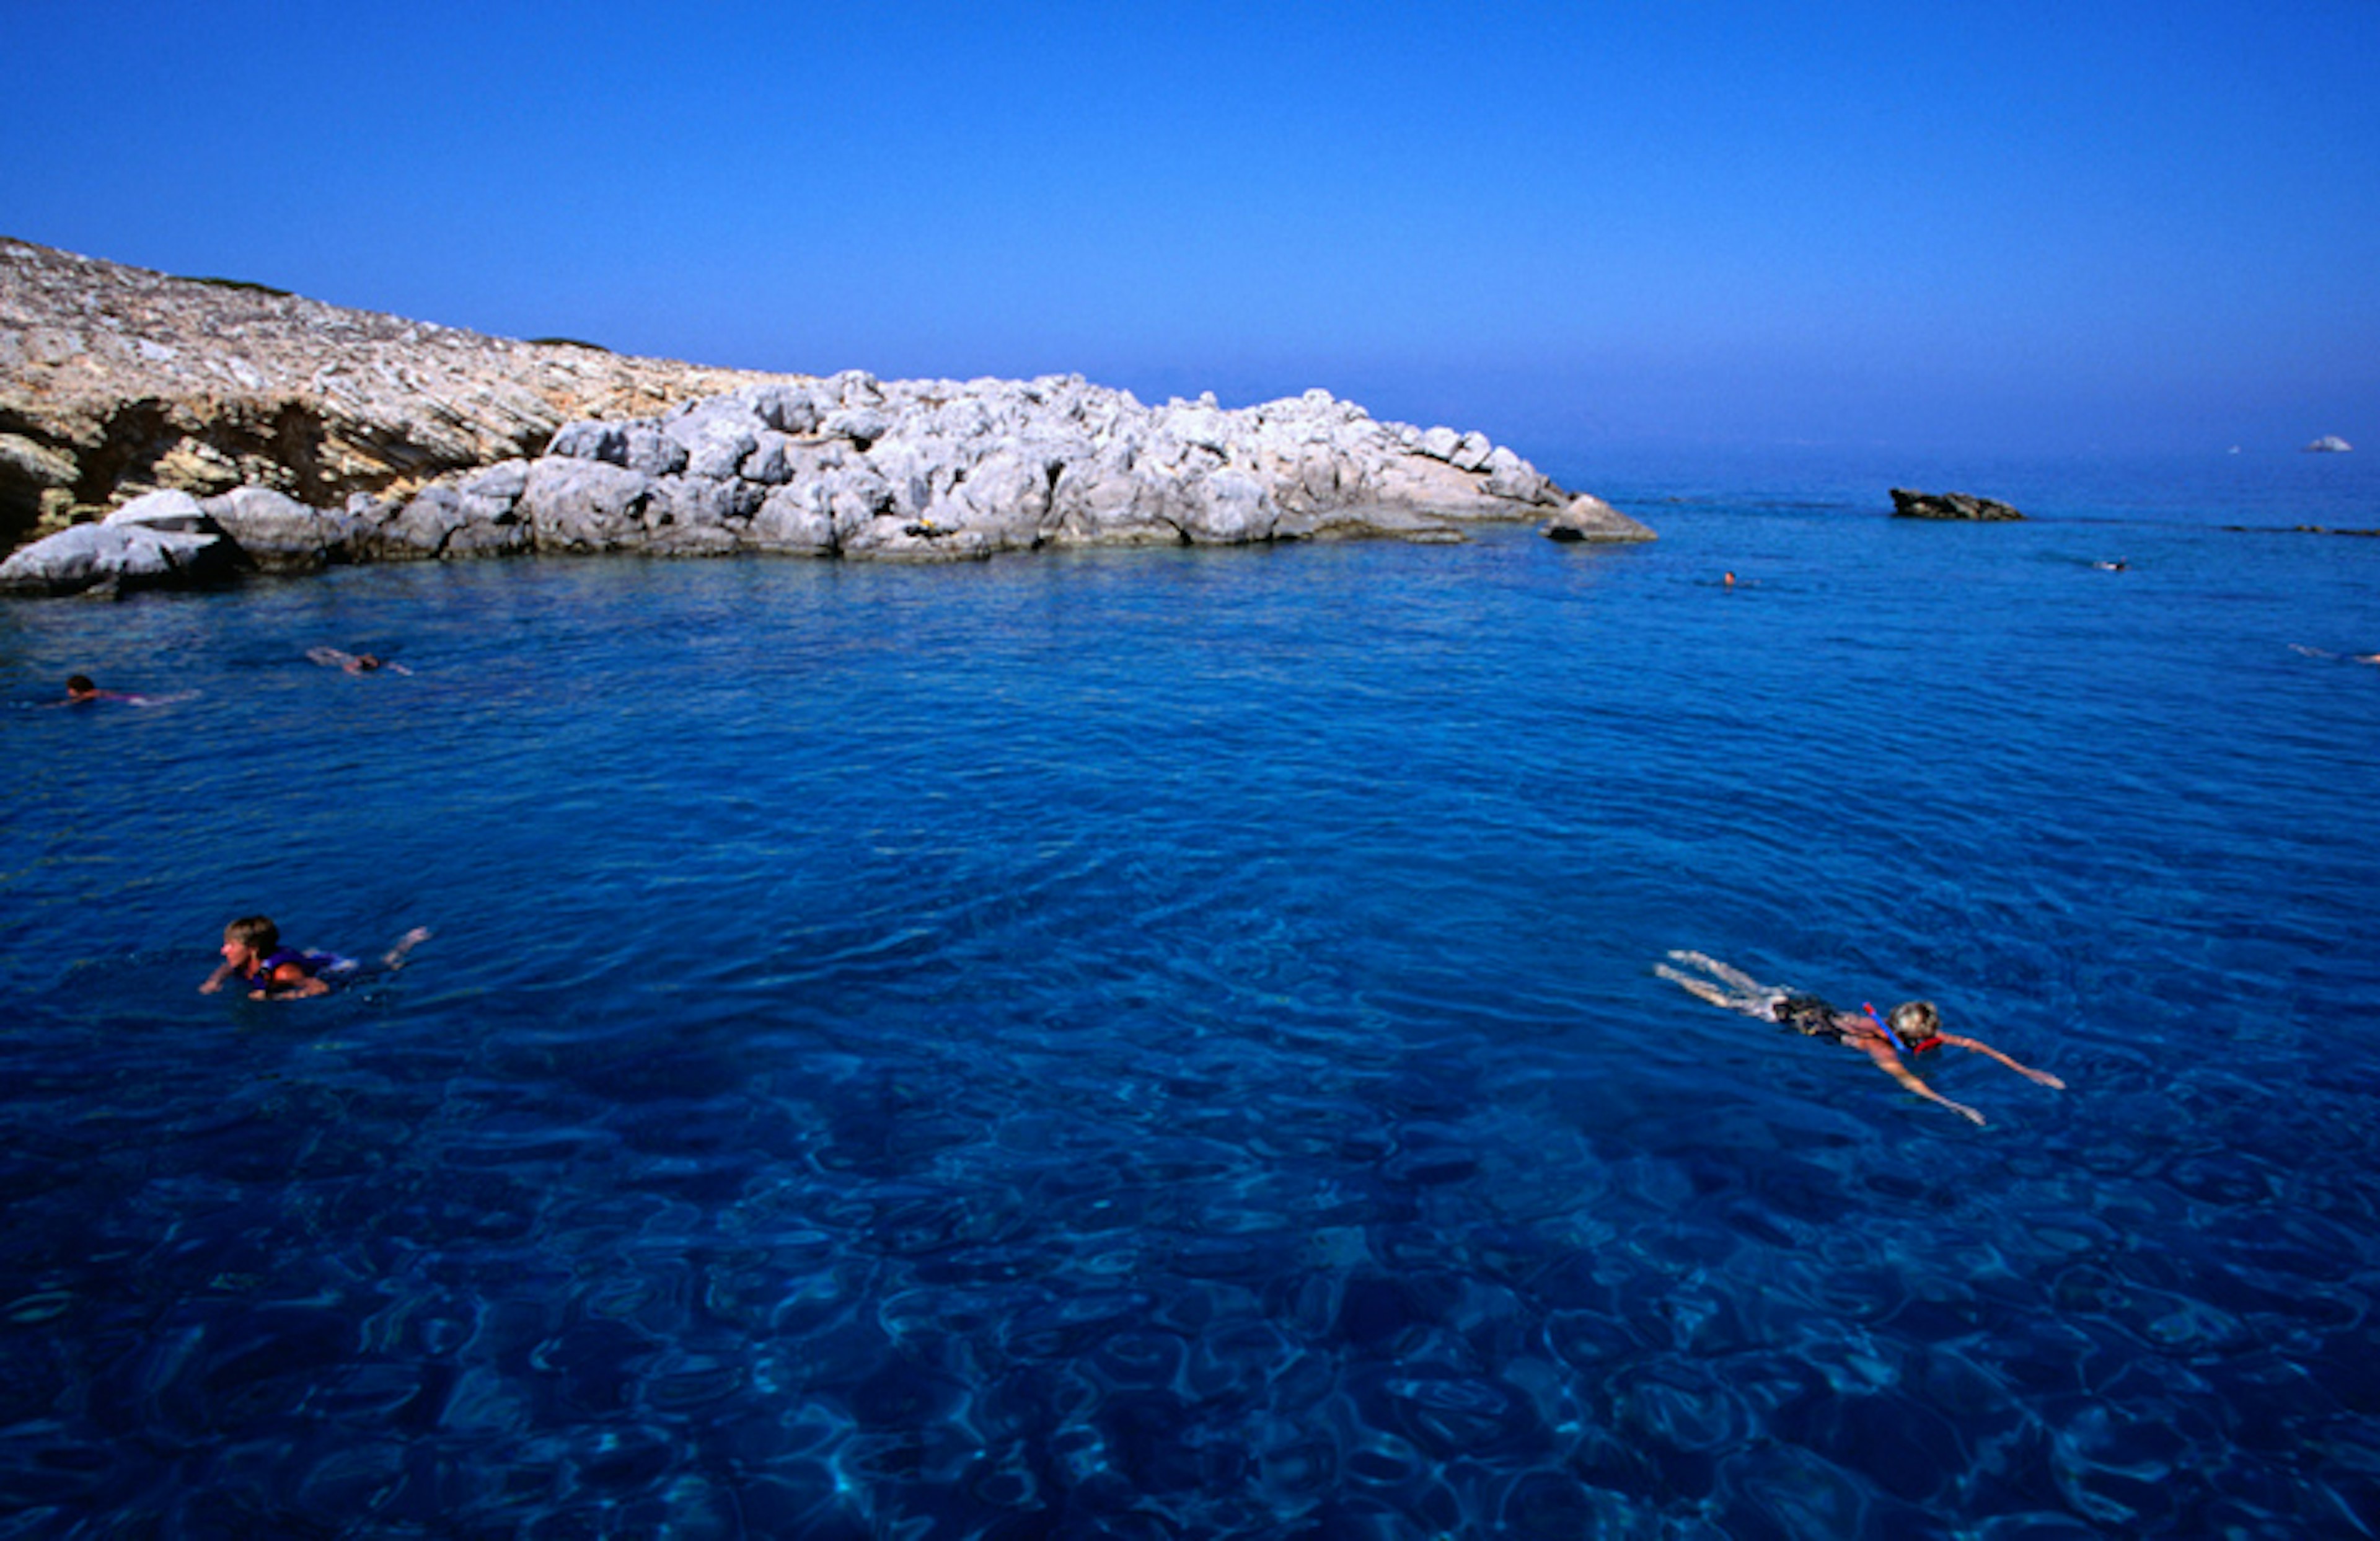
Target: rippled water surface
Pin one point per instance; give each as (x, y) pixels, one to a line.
(1165, 1044)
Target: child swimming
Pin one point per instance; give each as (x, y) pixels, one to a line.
(1913, 1027)
(253, 951)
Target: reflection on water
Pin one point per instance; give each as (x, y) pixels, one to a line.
(1165, 1045)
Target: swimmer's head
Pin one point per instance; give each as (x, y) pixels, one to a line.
(366, 662)
(79, 688)
(1915, 1021)
(250, 938)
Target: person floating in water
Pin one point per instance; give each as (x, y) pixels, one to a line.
(1911, 1028)
(2343, 658)
(354, 663)
(80, 691)
(252, 951)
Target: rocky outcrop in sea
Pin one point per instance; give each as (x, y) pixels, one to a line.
(1907, 505)
(216, 429)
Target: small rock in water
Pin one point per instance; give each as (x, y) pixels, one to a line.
(1907, 505)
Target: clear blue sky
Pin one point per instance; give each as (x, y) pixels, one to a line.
(1998, 226)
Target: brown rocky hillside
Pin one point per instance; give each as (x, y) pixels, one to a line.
(116, 381)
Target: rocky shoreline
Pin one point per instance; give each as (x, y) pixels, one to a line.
(161, 431)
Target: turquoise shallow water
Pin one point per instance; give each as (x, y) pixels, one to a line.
(1165, 1043)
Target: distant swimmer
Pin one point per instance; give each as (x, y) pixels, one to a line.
(2115, 566)
(253, 953)
(80, 691)
(1728, 581)
(2342, 658)
(354, 663)
(1913, 1029)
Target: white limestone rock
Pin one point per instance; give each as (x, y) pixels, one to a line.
(280, 534)
(121, 555)
(584, 505)
(1588, 519)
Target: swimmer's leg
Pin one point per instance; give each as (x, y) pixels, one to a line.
(394, 960)
(1702, 988)
(1727, 972)
(1752, 1005)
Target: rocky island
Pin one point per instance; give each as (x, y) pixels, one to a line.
(1909, 504)
(157, 431)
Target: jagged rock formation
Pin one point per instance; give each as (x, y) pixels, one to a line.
(462, 448)
(1907, 505)
(116, 381)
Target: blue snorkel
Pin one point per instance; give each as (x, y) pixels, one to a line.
(1883, 1027)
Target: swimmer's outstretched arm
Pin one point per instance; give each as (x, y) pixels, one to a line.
(215, 980)
(2041, 1077)
(1889, 1062)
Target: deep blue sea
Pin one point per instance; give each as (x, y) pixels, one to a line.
(1165, 1044)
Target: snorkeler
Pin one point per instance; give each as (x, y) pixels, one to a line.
(1913, 1027)
(252, 950)
(354, 663)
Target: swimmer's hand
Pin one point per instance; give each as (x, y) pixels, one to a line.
(1968, 1113)
(211, 986)
(2043, 1077)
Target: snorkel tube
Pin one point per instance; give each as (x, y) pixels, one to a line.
(1884, 1027)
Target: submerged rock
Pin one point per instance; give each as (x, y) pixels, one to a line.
(1907, 505)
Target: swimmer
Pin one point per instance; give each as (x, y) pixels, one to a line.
(354, 663)
(1728, 581)
(2118, 566)
(2343, 658)
(253, 951)
(1913, 1027)
(81, 692)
